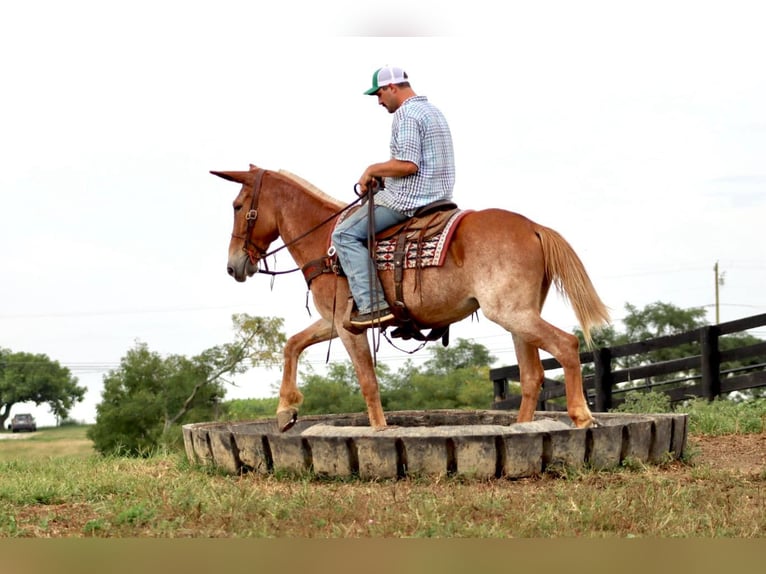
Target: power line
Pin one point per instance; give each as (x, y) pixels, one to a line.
(103, 312)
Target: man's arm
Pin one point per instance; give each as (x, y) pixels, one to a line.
(390, 168)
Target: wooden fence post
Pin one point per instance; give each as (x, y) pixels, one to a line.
(711, 362)
(501, 389)
(602, 361)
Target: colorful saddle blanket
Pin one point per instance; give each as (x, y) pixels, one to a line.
(419, 242)
(419, 252)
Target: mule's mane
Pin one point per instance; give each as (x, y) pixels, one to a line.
(311, 188)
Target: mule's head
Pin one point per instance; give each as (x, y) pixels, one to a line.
(255, 226)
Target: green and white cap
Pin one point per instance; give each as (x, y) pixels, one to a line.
(385, 76)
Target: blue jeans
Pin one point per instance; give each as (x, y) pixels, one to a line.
(349, 239)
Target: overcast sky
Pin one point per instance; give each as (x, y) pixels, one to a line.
(637, 130)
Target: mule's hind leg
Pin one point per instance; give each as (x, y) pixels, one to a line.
(565, 348)
(533, 330)
(531, 375)
(290, 398)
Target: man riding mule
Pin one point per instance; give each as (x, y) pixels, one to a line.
(421, 171)
(496, 260)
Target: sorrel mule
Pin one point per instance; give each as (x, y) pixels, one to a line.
(498, 261)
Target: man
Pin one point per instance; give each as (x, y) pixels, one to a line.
(421, 170)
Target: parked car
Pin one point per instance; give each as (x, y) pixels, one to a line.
(23, 422)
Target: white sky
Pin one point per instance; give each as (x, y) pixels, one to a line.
(637, 130)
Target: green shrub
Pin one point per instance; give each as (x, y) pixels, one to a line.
(644, 402)
(249, 409)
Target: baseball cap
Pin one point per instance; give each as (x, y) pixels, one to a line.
(385, 76)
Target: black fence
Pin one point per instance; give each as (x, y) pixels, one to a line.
(697, 375)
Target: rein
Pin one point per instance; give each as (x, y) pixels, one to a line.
(254, 252)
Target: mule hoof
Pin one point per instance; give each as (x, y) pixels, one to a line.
(591, 423)
(287, 419)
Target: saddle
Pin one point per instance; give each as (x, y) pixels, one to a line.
(428, 221)
(419, 242)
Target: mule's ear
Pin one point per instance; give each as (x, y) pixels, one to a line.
(237, 176)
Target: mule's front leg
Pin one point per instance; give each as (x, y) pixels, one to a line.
(290, 398)
(359, 350)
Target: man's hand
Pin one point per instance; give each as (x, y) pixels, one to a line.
(366, 183)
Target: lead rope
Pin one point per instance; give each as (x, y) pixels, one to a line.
(332, 323)
(375, 186)
(372, 269)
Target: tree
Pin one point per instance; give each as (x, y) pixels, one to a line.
(454, 377)
(336, 392)
(27, 377)
(655, 320)
(150, 395)
(464, 354)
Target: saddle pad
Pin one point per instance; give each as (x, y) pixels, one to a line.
(432, 250)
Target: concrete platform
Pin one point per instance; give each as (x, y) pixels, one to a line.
(477, 444)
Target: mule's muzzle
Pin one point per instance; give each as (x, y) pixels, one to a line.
(231, 271)
(240, 268)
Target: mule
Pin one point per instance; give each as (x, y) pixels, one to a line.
(497, 261)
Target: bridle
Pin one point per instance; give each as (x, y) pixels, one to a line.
(254, 252)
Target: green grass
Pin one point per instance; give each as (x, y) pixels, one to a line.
(47, 494)
(165, 497)
(722, 417)
(718, 417)
(47, 442)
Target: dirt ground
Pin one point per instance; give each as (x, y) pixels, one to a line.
(743, 453)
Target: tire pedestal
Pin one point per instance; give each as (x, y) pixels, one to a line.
(474, 444)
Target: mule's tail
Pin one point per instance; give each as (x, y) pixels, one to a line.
(564, 269)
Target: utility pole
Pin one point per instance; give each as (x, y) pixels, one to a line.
(718, 281)
(717, 315)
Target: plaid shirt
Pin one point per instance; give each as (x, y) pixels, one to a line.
(419, 134)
